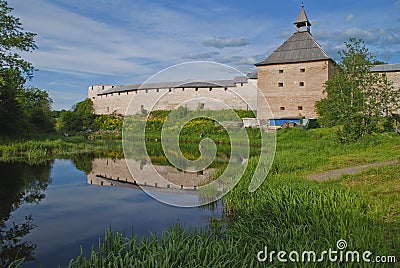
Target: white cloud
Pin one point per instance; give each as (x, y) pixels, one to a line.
(350, 17)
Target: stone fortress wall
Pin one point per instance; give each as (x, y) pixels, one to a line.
(239, 93)
(291, 90)
(392, 73)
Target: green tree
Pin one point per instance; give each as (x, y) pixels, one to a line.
(356, 98)
(20, 108)
(14, 39)
(81, 118)
(14, 70)
(34, 104)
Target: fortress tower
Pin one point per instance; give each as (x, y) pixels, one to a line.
(292, 78)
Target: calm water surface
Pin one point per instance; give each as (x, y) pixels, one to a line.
(56, 208)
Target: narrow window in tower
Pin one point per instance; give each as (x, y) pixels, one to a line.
(157, 90)
(170, 89)
(280, 84)
(281, 71)
(300, 108)
(282, 108)
(301, 84)
(302, 70)
(196, 89)
(210, 89)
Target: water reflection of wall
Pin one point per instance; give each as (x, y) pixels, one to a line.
(110, 172)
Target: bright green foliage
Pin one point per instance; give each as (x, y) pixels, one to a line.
(184, 111)
(198, 128)
(245, 113)
(356, 97)
(82, 118)
(108, 122)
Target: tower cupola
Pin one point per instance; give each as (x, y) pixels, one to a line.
(302, 22)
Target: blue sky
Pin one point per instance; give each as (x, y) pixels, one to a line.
(81, 43)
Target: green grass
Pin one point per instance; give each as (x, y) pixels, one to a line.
(379, 185)
(44, 148)
(286, 213)
(194, 130)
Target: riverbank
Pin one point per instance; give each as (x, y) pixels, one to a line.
(39, 147)
(287, 213)
(35, 150)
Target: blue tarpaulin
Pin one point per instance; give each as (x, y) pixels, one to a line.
(281, 122)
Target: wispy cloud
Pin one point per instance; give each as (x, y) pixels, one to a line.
(368, 35)
(201, 56)
(71, 43)
(226, 42)
(241, 60)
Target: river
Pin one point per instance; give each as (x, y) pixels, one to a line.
(48, 211)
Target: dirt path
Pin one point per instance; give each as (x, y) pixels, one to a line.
(336, 173)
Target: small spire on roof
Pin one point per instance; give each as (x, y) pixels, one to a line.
(302, 20)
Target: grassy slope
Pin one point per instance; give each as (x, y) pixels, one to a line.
(287, 212)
